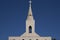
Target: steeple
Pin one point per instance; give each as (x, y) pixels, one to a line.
(30, 9)
(30, 15)
(30, 22)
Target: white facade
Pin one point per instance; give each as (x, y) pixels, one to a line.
(30, 33)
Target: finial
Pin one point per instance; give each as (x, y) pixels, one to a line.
(30, 9)
(30, 2)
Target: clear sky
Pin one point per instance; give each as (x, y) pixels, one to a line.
(13, 14)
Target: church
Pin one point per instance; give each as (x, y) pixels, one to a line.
(30, 33)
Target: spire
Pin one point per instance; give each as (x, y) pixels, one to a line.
(30, 16)
(30, 9)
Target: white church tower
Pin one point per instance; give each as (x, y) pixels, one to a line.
(30, 33)
(30, 22)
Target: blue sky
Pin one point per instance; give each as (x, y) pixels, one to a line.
(13, 14)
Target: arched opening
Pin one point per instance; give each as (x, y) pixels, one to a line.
(22, 39)
(30, 29)
(36, 39)
(29, 39)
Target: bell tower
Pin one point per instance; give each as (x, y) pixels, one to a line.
(30, 22)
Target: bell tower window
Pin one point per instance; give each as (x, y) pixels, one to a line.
(30, 29)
